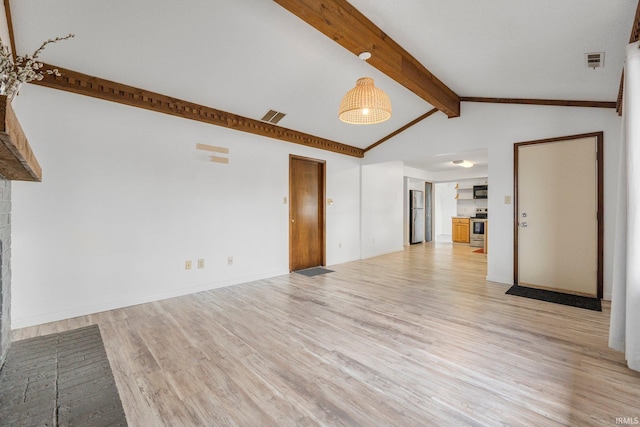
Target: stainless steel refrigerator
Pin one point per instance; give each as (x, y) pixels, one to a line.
(416, 216)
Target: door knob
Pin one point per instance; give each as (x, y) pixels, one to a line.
(293, 220)
(524, 215)
(523, 224)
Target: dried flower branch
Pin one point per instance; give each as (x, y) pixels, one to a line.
(25, 69)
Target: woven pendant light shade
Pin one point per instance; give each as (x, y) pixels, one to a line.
(365, 104)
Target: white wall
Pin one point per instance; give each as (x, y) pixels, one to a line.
(343, 216)
(126, 199)
(418, 174)
(382, 208)
(467, 207)
(4, 28)
(497, 127)
(460, 174)
(444, 209)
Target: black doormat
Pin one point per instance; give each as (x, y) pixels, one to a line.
(60, 380)
(556, 297)
(314, 271)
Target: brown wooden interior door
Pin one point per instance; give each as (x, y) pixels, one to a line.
(306, 213)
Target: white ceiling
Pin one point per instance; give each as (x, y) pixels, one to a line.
(248, 56)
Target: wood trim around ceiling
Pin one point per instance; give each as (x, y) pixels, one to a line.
(402, 129)
(344, 24)
(83, 84)
(620, 95)
(12, 39)
(555, 102)
(635, 29)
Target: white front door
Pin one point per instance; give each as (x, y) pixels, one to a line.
(557, 202)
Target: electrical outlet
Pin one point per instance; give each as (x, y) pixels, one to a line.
(201, 263)
(187, 265)
(230, 260)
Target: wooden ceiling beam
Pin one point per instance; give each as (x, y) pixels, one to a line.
(12, 39)
(402, 129)
(84, 84)
(344, 24)
(528, 101)
(524, 101)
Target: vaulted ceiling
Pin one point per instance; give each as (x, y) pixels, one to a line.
(245, 57)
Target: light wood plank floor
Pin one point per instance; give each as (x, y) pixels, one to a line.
(415, 338)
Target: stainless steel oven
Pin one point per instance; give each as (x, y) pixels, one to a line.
(477, 224)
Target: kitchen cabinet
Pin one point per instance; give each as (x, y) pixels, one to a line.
(464, 192)
(460, 230)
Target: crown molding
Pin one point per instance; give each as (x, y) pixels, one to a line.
(96, 87)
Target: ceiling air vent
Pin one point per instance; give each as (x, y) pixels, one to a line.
(594, 60)
(273, 117)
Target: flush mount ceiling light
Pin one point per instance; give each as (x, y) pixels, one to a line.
(463, 163)
(365, 104)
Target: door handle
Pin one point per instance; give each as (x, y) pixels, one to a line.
(523, 224)
(293, 220)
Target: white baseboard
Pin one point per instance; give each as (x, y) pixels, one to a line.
(375, 254)
(498, 279)
(23, 322)
(346, 260)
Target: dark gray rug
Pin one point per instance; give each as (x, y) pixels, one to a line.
(60, 380)
(556, 297)
(314, 271)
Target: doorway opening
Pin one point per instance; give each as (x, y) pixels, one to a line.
(444, 209)
(418, 211)
(428, 211)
